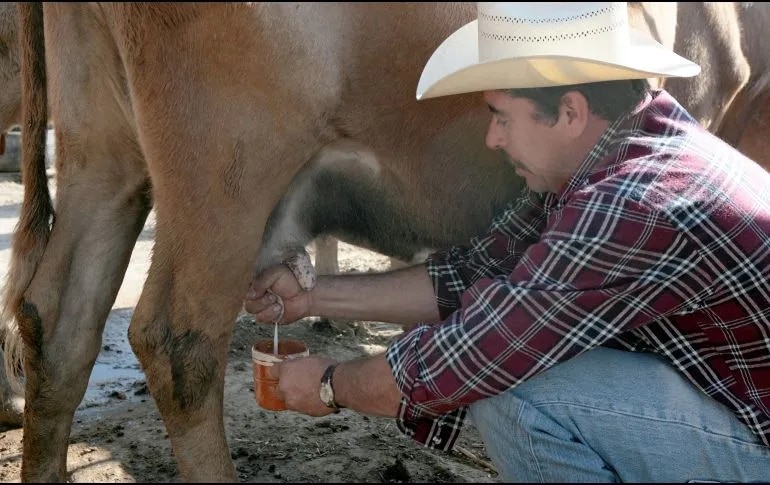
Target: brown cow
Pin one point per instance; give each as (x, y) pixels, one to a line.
(327, 87)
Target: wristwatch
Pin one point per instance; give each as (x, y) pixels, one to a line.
(327, 390)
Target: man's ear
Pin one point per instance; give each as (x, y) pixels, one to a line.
(574, 113)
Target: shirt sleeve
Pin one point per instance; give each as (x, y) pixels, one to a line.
(602, 266)
(452, 271)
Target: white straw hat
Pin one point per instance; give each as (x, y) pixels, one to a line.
(528, 45)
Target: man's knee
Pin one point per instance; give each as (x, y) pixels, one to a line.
(505, 427)
(486, 414)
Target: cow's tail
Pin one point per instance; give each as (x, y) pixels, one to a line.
(36, 218)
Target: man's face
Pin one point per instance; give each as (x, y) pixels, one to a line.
(536, 148)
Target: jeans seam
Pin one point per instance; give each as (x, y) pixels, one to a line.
(537, 467)
(651, 418)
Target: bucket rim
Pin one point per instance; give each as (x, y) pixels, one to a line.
(268, 358)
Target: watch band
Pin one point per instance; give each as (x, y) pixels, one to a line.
(326, 382)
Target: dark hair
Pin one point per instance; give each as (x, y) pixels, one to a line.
(608, 99)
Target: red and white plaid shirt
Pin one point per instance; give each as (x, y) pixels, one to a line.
(660, 243)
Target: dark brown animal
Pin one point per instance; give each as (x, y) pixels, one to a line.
(296, 92)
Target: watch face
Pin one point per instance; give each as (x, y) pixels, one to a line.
(327, 396)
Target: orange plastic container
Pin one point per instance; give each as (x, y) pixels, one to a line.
(262, 356)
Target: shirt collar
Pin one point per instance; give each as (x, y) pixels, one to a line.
(615, 134)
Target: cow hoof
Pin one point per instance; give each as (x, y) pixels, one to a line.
(12, 411)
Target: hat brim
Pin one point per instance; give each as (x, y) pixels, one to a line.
(454, 68)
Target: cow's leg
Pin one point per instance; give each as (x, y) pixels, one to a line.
(753, 141)
(181, 329)
(326, 255)
(744, 125)
(11, 403)
(220, 153)
(102, 201)
(719, 98)
(101, 206)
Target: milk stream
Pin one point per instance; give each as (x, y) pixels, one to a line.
(275, 339)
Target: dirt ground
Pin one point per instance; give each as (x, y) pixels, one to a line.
(119, 436)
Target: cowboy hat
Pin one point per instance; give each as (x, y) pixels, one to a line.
(529, 45)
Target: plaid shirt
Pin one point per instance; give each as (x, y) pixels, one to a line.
(660, 242)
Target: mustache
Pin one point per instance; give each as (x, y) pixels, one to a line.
(515, 163)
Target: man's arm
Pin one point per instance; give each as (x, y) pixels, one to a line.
(595, 274)
(423, 293)
(403, 296)
(365, 385)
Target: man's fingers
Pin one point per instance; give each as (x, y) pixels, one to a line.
(261, 284)
(281, 307)
(260, 304)
(267, 315)
(267, 299)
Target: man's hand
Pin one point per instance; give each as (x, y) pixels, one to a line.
(403, 296)
(281, 282)
(299, 384)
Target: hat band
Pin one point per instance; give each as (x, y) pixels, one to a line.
(603, 33)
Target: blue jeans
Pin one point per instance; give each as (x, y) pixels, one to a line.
(608, 416)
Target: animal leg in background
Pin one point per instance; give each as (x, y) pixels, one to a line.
(63, 283)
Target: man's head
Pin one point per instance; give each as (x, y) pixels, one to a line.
(554, 76)
(547, 132)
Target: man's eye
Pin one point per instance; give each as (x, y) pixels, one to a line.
(502, 122)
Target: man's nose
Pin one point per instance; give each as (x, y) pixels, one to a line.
(493, 137)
